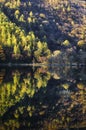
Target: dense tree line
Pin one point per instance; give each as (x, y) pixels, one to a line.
(29, 28)
(20, 44)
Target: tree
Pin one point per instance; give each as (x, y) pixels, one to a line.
(16, 51)
(66, 43)
(21, 18)
(17, 14)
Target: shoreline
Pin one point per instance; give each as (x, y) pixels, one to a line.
(38, 64)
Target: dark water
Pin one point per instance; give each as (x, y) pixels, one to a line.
(43, 98)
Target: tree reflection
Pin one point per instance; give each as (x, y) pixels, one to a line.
(21, 84)
(42, 99)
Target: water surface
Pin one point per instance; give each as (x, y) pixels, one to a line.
(42, 98)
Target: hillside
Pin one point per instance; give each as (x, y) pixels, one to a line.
(55, 24)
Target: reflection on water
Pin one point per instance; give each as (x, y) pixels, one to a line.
(43, 98)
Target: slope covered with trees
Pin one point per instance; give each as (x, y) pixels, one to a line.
(30, 27)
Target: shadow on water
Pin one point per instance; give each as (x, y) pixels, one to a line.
(42, 98)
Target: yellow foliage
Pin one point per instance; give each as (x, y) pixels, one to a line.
(65, 86)
(7, 4)
(21, 18)
(69, 8)
(80, 86)
(17, 12)
(39, 83)
(29, 19)
(57, 52)
(81, 43)
(41, 113)
(16, 115)
(28, 108)
(42, 15)
(56, 76)
(32, 92)
(39, 45)
(23, 89)
(31, 13)
(30, 114)
(66, 43)
(29, 3)
(13, 89)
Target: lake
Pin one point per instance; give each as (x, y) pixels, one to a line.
(43, 98)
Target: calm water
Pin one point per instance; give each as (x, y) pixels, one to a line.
(43, 98)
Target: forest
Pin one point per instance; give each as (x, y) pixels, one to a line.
(42, 31)
(42, 64)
